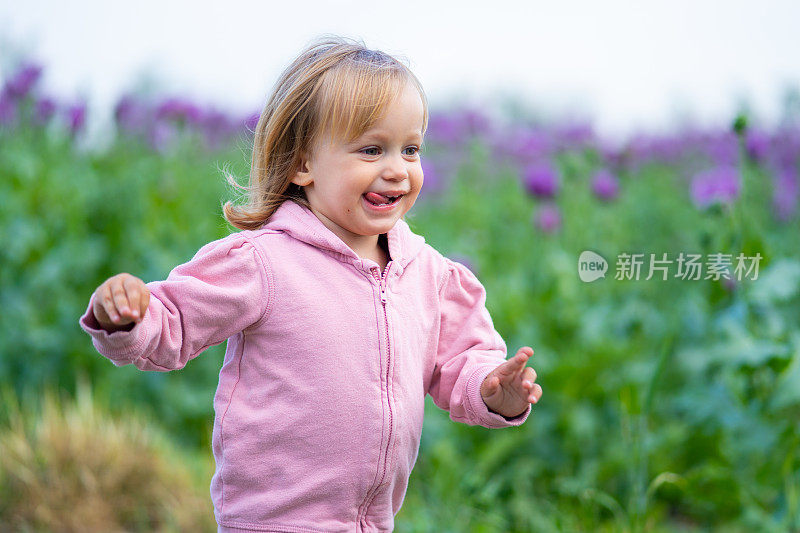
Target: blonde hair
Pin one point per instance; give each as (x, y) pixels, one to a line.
(335, 85)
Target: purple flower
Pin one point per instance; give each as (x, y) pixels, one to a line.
(445, 129)
(130, 114)
(179, 110)
(251, 122)
(457, 126)
(45, 108)
(667, 149)
(432, 179)
(757, 144)
(548, 218)
(645, 148)
(786, 192)
(574, 136)
(8, 109)
(786, 143)
(541, 179)
(76, 117)
(475, 121)
(723, 149)
(611, 153)
(526, 144)
(23, 81)
(605, 185)
(217, 128)
(215, 119)
(720, 184)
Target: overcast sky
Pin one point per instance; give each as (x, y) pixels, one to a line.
(626, 65)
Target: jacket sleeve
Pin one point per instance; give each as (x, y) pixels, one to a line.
(222, 290)
(469, 349)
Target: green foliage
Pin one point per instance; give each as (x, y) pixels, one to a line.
(71, 219)
(668, 404)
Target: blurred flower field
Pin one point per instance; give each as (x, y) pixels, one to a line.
(671, 402)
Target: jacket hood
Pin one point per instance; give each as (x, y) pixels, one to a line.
(302, 224)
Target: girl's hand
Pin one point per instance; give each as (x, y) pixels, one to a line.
(119, 301)
(510, 387)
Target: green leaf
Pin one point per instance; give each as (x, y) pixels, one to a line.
(787, 390)
(779, 282)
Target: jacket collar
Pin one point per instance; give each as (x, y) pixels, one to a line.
(302, 224)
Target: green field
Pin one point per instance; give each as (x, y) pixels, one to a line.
(669, 404)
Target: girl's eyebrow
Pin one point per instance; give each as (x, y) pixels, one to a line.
(383, 136)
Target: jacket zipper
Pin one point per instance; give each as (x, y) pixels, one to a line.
(370, 496)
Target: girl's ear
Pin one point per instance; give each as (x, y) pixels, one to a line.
(302, 176)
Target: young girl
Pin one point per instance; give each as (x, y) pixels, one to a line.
(338, 318)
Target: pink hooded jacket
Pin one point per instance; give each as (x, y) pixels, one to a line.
(319, 407)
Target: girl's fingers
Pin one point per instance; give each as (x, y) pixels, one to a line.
(521, 358)
(508, 368)
(134, 296)
(102, 299)
(120, 299)
(536, 393)
(533, 390)
(529, 375)
(521, 368)
(511, 370)
(510, 373)
(107, 301)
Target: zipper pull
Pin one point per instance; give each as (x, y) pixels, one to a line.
(383, 291)
(380, 284)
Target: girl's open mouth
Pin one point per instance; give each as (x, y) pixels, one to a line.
(379, 203)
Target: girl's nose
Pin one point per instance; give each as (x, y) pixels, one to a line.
(396, 167)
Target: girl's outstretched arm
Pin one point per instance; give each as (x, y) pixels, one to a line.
(224, 289)
(469, 349)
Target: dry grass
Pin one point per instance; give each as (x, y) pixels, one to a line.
(70, 466)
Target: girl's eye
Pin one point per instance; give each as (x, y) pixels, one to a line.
(374, 150)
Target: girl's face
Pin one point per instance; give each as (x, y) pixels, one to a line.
(385, 159)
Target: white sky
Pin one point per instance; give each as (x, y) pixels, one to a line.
(626, 65)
